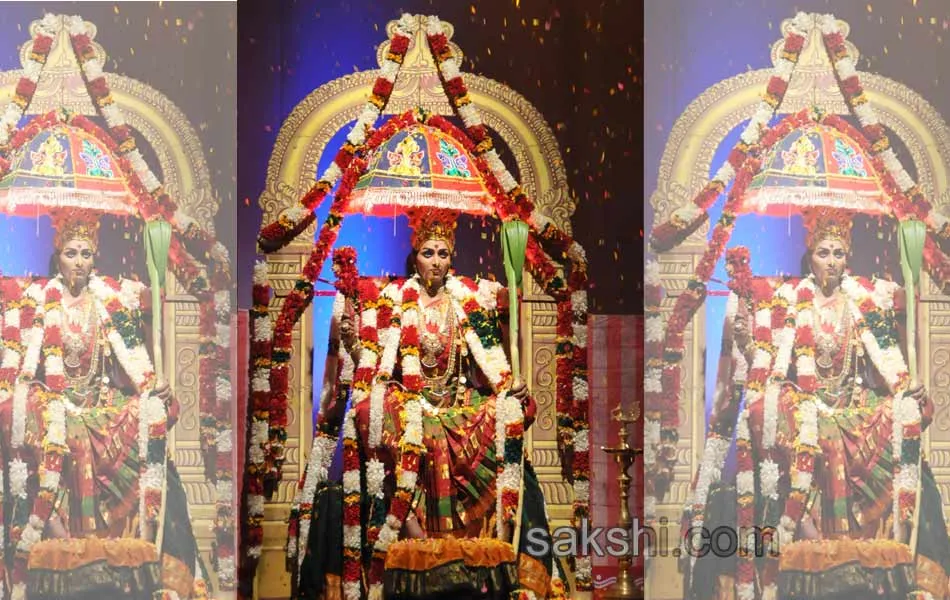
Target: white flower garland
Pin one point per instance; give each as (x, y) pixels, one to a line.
(785, 337)
(152, 475)
(262, 332)
(405, 480)
(889, 362)
(493, 362)
(801, 25)
(92, 69)
(710, 471)
(846, 67)
(388, 344)
(318, 468)
(906, 474)
(33, 343)
(770, 413)
(49, 26)
(581, 393)
(406, 27)
(12, 352)
(19, 474)
(653, 381)
(583, 568)
(653, 330)
(651, 434)
(410, 363)
(769, 474)
(134, 361)
(54, 417)
(375, 475)
(368, 362)
(352, 535)
(806, 417)
(450, 69)
(579, 303)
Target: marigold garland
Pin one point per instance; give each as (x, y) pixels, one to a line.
(151, 200)
(509, 201)
(688, 219)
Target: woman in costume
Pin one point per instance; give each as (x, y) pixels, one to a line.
(441, 334)
(84, 409)
(815, 440)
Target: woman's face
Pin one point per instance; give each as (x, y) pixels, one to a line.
(828, 261)
(75, 263)
(433, 261)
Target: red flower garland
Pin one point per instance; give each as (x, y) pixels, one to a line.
(123, 143)
(674, 232)
(506, 205)
(344, 267)
(278, 234)
(909, 203)
(53, 454)
(692, 298)
(24, 91)
(213, 362)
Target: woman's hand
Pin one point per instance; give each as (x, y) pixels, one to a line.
(809, 529)
(413, 528)
(56, 527)
(919, 393)
(519, 390)
(164, 392)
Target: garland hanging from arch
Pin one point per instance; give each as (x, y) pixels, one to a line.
(665, 341)
(192, 249)
(509, 201)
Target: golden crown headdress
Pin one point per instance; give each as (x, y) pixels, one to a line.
(75, 224)
(824, 223)
(433, 224)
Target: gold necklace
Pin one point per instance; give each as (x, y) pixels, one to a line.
(827, 345)
(431, 342)
(74, 343)
(437, 383)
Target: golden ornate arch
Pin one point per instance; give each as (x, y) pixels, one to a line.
(686, 165)
(185, 174)
(292, 170)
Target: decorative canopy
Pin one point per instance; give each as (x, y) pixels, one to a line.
(815, 165)
(420, 166)
(64, 166)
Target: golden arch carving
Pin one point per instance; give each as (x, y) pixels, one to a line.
(292, 170)
(184, 171)
(686, 165)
